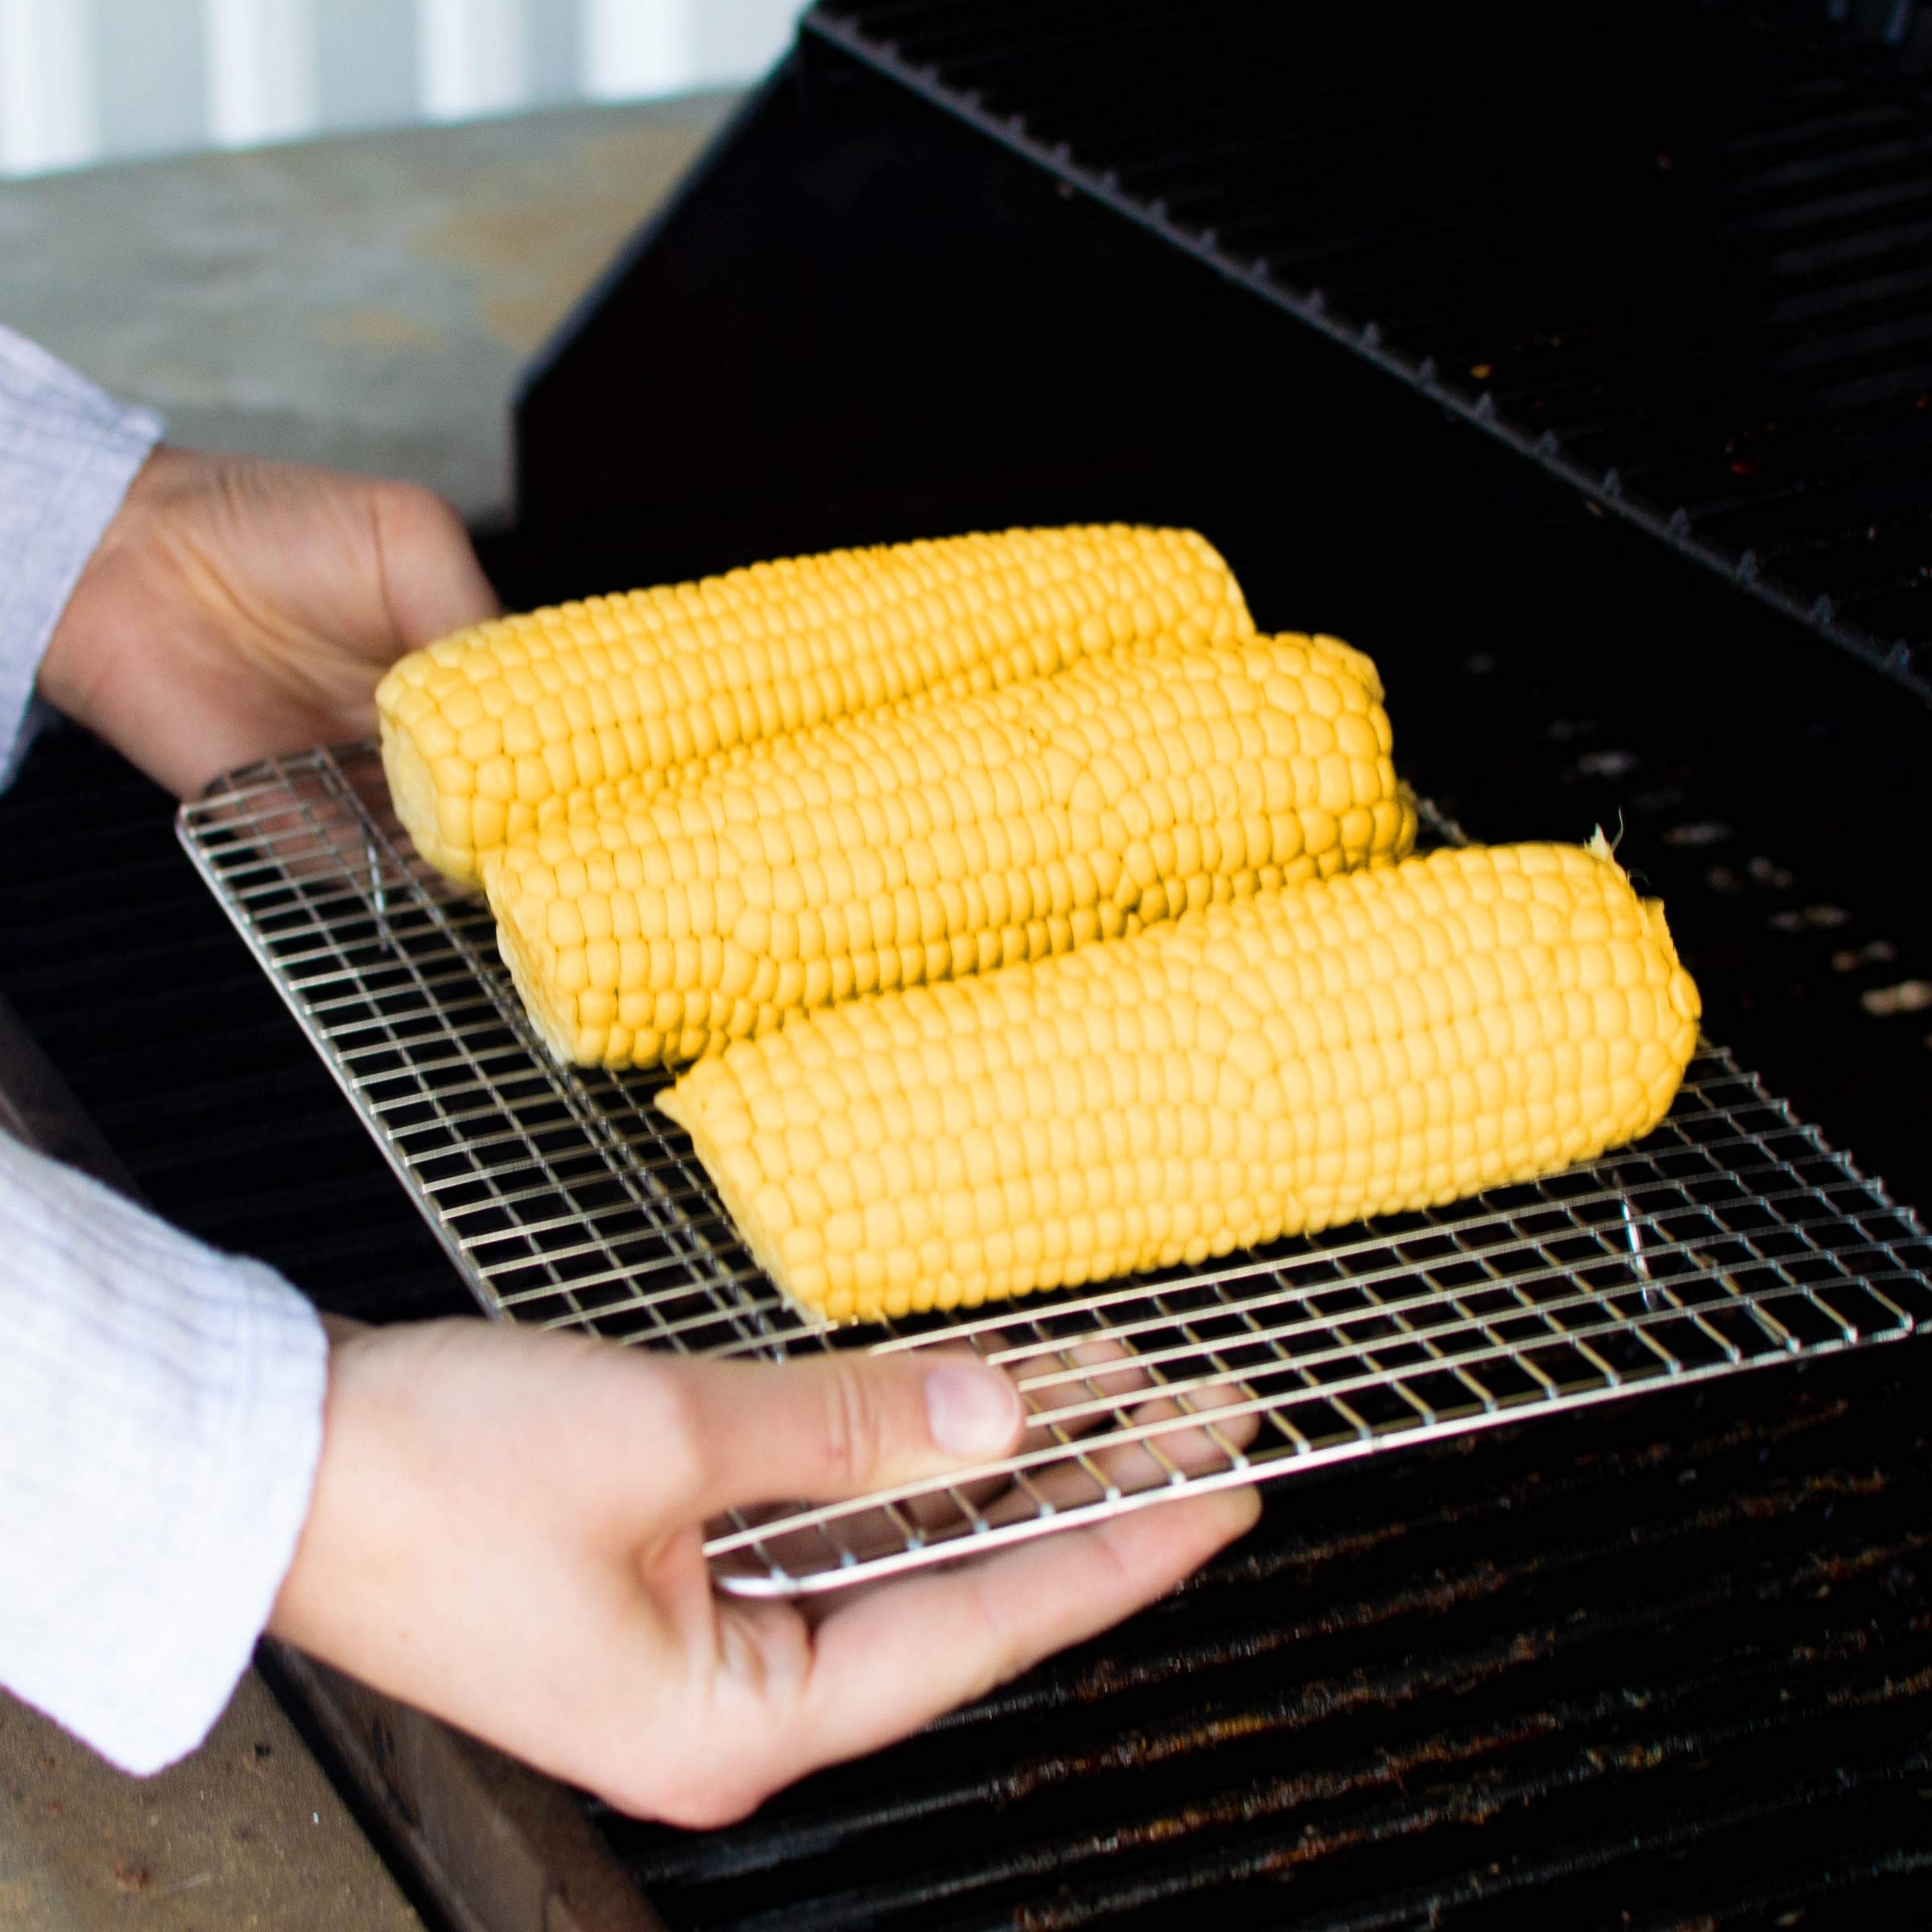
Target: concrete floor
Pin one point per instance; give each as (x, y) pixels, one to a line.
(369, 303)
(247, 1835)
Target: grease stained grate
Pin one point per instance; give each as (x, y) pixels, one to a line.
(1732, 1236)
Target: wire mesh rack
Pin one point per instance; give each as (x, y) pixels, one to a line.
(1731, 1237)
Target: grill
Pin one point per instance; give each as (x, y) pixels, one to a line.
(1654, 1664)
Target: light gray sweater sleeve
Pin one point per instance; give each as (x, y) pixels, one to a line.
(160, 1404)
(160, 1420)
(68, 452)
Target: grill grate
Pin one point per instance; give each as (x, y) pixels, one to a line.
(1731, 1237)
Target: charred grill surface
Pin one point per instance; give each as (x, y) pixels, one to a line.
(1595, 1676)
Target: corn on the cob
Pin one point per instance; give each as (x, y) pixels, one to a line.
(483, 728)
(948, 836)
(1388, 1040)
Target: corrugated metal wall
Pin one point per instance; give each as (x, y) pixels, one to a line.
(84, 80)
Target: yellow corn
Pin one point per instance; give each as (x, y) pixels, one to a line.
(1388, 1040)
(947, 836)
(482, 729)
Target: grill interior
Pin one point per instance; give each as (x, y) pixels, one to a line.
(978, 330)
(1479, 1691)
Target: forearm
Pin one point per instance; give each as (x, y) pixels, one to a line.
(68, 454)
(160, 1423)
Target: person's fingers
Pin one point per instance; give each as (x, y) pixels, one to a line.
(432, 582)
(840, 1425)
(1060, 1389)
(893, 1658)
(1164, 1440)
(1075, 1389)
(939, 1507)
(1085, 1390)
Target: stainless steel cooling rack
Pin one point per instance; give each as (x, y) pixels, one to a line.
(1731, 1237)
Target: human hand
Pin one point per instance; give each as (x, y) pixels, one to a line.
(507, 1530)
(236, 608)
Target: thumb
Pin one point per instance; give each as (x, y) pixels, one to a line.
(432, 582)
(843, 1425)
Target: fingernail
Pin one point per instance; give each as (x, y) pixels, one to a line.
(970, 1411)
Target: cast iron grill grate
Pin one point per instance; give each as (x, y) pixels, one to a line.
(1705, 302)
(1731, 1237)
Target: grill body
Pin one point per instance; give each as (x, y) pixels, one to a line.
(1666, 1664)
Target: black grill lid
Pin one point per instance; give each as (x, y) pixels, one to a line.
(1677, 255)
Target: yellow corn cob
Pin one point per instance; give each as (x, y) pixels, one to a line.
(1352, 671)
(483, 728)
(947, 836)
(1388, 1040)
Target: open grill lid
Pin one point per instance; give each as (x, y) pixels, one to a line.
(969, 263)
(1677, 257)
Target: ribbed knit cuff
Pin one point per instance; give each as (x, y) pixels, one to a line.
(160, 1426)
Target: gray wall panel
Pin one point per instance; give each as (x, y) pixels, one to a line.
(556, 29)
(738, 38)
(365, 62)
(149, 75)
